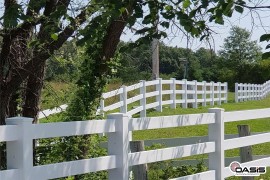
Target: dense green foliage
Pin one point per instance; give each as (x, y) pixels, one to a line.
(239, 60)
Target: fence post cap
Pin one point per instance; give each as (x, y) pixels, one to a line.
(215, 109)
(119, 115)
(19, 120)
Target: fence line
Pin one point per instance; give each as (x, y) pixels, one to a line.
(119, 159)
(247, 92)
(178, 91)
(154, 94)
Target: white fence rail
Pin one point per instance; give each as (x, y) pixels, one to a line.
(139, 96)
(247, 92)
(177, 91)
(19, 133)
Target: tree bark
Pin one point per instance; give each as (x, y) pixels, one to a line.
(34, 86)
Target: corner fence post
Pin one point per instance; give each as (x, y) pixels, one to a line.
(118, 145)
(20, 152)
(173, 94)
(143, 100)
(216, 134)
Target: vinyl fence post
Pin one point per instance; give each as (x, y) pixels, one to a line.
(184, 95)
(236, 92)
(219, 93)
(245, 92)
(261, 91)
(212, 88)
(118, 145)
(216, 134)
(226, 92)
(143, 100)
(159, 96)
(241, 92)
(101, 107)
(173, 95)
(204, 93)
(249, 91)
(252, 91)
(20, 152)
(195, 95)
(123, 98)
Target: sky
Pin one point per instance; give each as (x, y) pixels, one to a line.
(257, 22)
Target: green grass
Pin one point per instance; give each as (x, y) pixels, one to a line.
(261, 125)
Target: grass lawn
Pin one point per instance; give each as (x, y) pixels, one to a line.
(261, 125)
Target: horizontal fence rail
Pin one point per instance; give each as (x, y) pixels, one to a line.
(247, 92)
(119, 158)
(137, 98)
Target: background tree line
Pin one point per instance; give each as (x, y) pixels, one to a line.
(239, 60)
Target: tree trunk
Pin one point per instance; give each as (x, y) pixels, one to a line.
(33, 93)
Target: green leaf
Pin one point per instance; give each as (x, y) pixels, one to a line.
(239, 9)
(265, 37)
(186, 4)
(219, 20)
(54, 36)
(168, 8)
(266, 55)
(267, 47)
(165, 24)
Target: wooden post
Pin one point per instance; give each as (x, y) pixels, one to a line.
(139, 171)
(245, 152)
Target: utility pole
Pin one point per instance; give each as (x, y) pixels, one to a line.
(155, 59)
(155, 54)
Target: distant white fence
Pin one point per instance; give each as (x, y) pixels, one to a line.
(139, 96)
(247, 92)
(20, 132)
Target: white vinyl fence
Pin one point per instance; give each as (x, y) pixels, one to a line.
(20, 132)
(179, 92)
(145, 95)
(247, 92)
